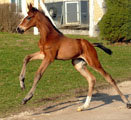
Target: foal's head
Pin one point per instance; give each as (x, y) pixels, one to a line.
(29, 21)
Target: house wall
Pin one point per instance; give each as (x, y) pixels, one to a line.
(8, 1)
(95, 12)
(98, 11)
(4, 1)
(28, 1)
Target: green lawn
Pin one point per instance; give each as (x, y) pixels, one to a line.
(59, 79)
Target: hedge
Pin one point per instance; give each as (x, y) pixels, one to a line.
(9, 19)
(115, 25)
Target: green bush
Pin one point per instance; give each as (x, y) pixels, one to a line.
(9, 19)
(115, 25)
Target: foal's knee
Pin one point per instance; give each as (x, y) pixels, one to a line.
(110, 80)
(92, 81)
(26, 59)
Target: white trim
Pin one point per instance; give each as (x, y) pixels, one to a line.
(50, 1)
(24, 7)
(36, 32)
(79, 12)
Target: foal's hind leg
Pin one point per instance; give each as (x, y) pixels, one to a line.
(80, 66)
(113, 83)
(27, 59)
(97, 66)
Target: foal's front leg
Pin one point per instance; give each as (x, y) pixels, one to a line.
(27, 59)
(38, 76)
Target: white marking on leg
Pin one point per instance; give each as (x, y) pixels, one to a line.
(87, 102)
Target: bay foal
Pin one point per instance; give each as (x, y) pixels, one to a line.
(54, 45)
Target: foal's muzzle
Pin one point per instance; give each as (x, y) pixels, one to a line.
(20, 30)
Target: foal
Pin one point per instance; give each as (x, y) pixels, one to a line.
(54, 45)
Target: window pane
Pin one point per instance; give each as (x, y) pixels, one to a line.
(12, 1)
(19, 5)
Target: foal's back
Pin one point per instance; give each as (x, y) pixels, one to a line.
(73, 48)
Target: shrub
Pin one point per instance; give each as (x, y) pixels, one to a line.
(115, 25)
(9, 19)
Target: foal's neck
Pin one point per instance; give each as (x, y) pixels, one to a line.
(45, 27)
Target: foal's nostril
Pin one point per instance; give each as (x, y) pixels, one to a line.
(19, 30)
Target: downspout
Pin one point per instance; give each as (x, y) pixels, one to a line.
(91, 18)
(36, 32)
(24, 7)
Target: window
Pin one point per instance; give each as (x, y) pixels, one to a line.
(13, 1)
(18, 5)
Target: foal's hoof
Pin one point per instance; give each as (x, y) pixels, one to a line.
(27, 98)
(128, 105)
(24, 102)
(79, 109)
(82, 108)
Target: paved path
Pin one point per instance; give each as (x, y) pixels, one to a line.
(105, 105)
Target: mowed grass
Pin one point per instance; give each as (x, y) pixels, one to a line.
(59, 79)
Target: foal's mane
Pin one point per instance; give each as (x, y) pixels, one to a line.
(35, 9)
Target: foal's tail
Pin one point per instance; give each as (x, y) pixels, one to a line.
(108, 51)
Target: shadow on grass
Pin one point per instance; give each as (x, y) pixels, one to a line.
(81, 99)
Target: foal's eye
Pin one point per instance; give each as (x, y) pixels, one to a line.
(28, 18)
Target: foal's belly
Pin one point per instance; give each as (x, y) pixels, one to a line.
(66, 55)
(68, 50)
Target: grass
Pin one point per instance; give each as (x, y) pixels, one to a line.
(59, 79)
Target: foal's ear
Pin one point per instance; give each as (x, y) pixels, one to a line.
(30, 6)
